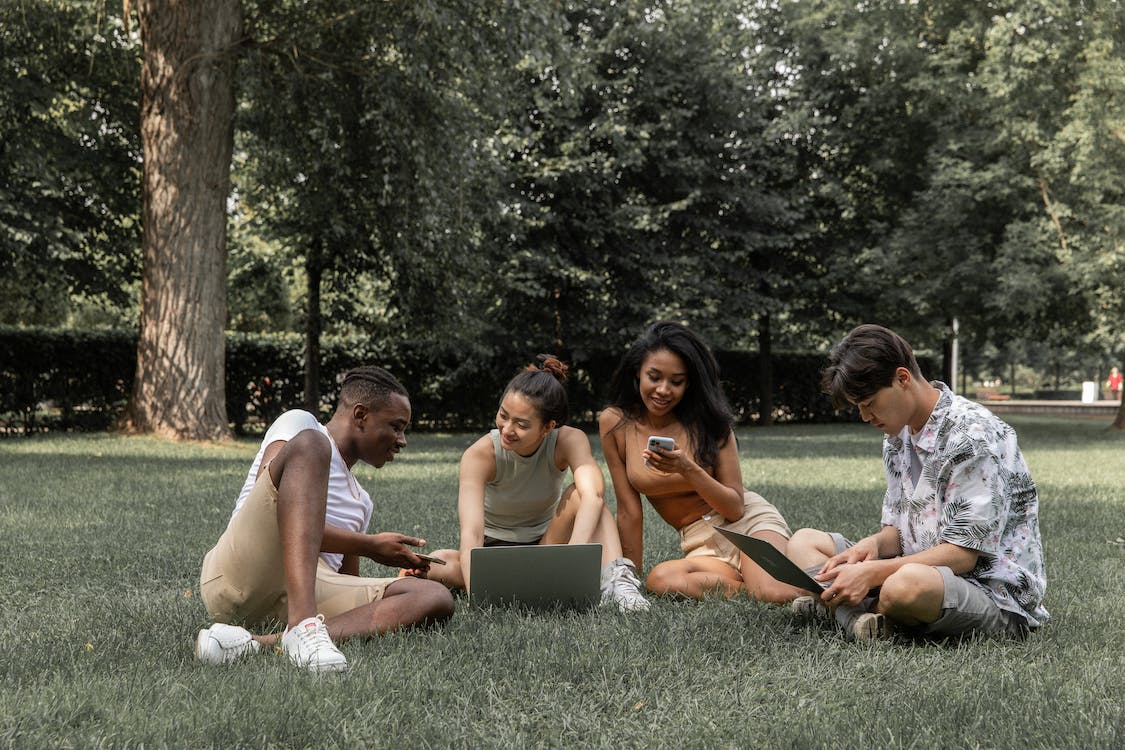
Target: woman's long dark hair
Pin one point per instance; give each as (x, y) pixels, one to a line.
(703, 410)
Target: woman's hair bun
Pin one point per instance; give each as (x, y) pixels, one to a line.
(552, 364)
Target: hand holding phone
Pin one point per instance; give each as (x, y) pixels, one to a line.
(658, 443)
(430, 558)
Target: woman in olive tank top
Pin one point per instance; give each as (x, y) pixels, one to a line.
(511, 486)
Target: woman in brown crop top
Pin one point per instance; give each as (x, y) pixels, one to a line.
(668, 384)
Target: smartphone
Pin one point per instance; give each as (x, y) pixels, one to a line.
(656, 442)
(430, 558)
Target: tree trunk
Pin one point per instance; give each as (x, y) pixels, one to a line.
(314, 272)
(187, 104)
(765, 371)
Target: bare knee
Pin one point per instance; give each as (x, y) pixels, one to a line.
(569, 503)
(423, 602)
(449, 574)
(662, 579)
(909, 587)
(770, 591)
(436, 602)
(605, 516)
(810, 546)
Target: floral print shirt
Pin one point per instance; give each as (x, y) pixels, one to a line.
(963, 480)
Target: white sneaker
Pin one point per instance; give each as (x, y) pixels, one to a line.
(621, 586)
(222, 644)
(307, 645)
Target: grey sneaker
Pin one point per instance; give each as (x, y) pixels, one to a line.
(307, 645)
(870, 626)
(810, 608)
(222, 644)
(622, 587)
(861, 624)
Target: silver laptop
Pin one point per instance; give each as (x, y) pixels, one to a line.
(539, 576)
(773, 561)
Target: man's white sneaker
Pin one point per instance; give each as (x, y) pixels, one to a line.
(307, 645)
(622, 587)
(222, 644)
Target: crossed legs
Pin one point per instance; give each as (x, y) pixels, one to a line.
(292, 500)
(912, 595)
(560, 531)
(699, 576)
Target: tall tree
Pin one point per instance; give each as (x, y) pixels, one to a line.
(187, 104)
(862, 135)
(955, 164)
(646, 179)
(363, 138)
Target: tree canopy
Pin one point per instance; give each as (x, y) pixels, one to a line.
(69, 165)
(522, 176)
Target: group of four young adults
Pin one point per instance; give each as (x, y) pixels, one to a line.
(958, 550)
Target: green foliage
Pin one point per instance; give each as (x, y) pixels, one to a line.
(959, 140)
(259, 299)
(478, 179)
(360, 133)
(649, 179)
(69, 160)
(263, 377)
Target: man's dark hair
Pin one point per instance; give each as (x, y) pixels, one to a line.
(864, 362)
(369, 385)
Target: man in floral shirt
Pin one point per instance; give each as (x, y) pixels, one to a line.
(959, 550)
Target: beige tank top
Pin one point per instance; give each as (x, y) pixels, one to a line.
(520, 502)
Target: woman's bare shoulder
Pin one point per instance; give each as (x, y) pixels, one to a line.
(610, 418)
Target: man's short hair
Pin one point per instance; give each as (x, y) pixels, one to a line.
(864, 362)
(369, 385)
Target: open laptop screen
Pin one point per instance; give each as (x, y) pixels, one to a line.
(539, 576)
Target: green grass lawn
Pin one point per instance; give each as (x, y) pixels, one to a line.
(103, 537)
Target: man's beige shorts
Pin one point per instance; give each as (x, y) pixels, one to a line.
(699, 538)
(243, 579)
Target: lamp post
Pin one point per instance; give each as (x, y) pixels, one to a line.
(950, 364)
(954, 356)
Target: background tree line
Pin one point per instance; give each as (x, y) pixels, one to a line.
(514, 176)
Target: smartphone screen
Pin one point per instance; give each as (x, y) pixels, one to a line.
(430, 558)
(657, 442)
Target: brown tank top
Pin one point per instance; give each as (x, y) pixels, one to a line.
(671, 495)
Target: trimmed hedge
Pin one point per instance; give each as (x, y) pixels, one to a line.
(81, 380)
(85, 375)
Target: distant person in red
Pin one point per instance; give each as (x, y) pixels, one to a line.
(1113, 384)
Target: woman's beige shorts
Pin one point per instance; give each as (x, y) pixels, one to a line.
(699, 538)
(243, 579)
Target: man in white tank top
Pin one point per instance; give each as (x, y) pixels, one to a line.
(292, 546)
